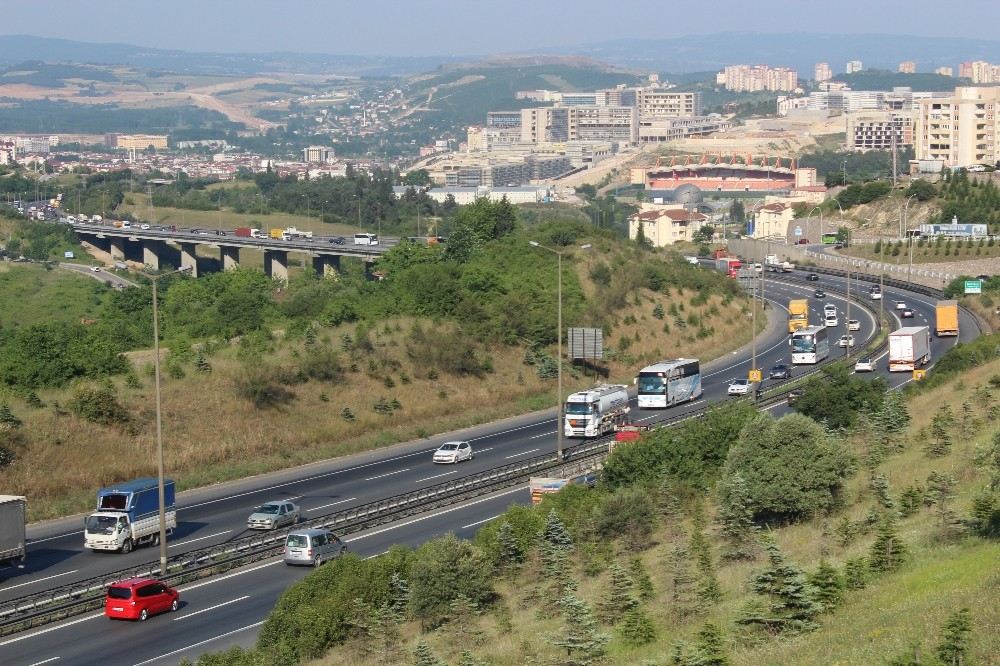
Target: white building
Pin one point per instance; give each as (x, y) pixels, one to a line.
(665, 225)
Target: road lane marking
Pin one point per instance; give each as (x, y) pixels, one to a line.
(522, 453)
(436, 476)
(39, 580)
(55, 628)
(326, 506)
(545, 434)
(382, 476)
(31, 542)
(207, 536)
(45, 661)
(480, 522)
(232, 575)
(207, 640)
(205, 610)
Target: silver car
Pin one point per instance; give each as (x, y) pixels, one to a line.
(312, 547)
(272, 515)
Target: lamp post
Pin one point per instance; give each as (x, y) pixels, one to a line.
(559, 386)
(903, 215)
(159, 419)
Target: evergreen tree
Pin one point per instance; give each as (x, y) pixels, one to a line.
(888, 551)
(910, 500)
(463, 625)
(683, 593)
(201, 363)
(380, 629)
(880, 487)
(986, 514)
(954, 643)
(399, 593)
(707, 585)
(829, 585)
(556, 545)
(468, 659)
(792, 605)
(619, 598)
(909, 658)
(583, 643)
(710, 647)
(942, 423)
(7, 419)
(640, 578)
(667, 501)
(555, 533)
(636, 628)
(310, 336)
(940, 493)
(33, 401)
(736, 518)
(511, 554)
(970, 424)
(424, 656)
(556, 571)
(856, 573)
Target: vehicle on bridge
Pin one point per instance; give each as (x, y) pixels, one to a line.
(669, 382)
(596, 411)
(13, 509)
(809, 345)
(365, 239)
(128, 515)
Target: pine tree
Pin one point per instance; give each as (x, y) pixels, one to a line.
(464, 622)
(555, 533)
(970, 424)
(829, 585)
(880, 487)
(424, 656)
(201, 363)
(940, 432)
(792, 605)
(619, 598)
(636, 628)
(511, 554)
(468, 659)
(888, 551)
(954, 643)
(667, 501)
(640, 578)
(909, 658)
(910, 500)
(33, 401)
(940, 493)
(310, 336)
(985, 514)
(556, 570)
(736, 518)
(683, 593)
(380, 628)
(710, 647)
(399, 595)
(7, 419)
(583, 643)
(893, 417)
(556, 545)
(856, 573)
(708, 586)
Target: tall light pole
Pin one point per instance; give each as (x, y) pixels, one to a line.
(159, 418)
(559, 385)
(904, 220)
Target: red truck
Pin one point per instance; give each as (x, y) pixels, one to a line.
(243, 232)
(720, 253)
(728, 265)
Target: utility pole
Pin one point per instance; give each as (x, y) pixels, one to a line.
(895, 169)
(847, 349)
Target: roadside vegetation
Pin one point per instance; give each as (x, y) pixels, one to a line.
(737, 539)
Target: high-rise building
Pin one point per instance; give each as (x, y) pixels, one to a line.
(317, 154)
(754, 78)
(854, 66)
(822, 72)
(874, 130)
(944, 71)
(961, 130)
(907, 67)
(654, 103)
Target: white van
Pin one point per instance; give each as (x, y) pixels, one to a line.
(312, 547)
(365, 239)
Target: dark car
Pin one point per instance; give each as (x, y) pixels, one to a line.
(338, 240)
(812, 277)
(781, 371)
(803, 241)
(819, 293)
(794, 395)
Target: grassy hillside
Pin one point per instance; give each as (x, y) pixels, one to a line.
(31, 294)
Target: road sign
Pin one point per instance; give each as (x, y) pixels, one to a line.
(586, 343)
(919, 374)
(754, 375)
(973, 286)
(798, 231)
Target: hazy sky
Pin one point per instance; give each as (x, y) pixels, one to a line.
(463, 27)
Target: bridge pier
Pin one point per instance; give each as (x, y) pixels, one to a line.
(230, 255)
(151, 251)
(326, 265)
(276, 264)
(117, 248)
(189, 258)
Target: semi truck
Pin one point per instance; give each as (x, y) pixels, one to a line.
(128, 515)
(909, 347)
(13, 510)
(244, 232)
(798, 314)
(596, 411)
(775, 265)
(728, 265)
(946, 319)
(292, 233)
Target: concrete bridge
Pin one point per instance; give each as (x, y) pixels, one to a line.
(156, 243)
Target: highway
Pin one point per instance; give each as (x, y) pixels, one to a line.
(217, 514)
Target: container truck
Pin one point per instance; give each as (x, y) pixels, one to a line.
(12, 517)
(798, 314)
(258, 233)
(947, 318)
(775, 265)
(909, 347)
(728, 265)
(243, 232)
(597, 411)
(128, 515)
(292, 233)
(277, 234)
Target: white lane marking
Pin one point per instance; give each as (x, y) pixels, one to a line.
(480, 522)
(207, 536)
(647, 418)
(232, 575)
(31, 542)
(522, 453)
(205, 610)
(326, 506)
(382, 476)
(436, 476)
(435, 515)
(45, 661)
(55, 628)
(294, 497)
(39, 580)
(783, 341)
(207, 640)
(545, 434)
(488, 448)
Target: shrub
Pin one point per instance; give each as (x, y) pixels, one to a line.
(442, 570)
(258, 385)
(321, 364)
(99, 404)
(626, 513)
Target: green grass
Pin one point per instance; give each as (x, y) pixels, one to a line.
(928, 254)
(30, 294)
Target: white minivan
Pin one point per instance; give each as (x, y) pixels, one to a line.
(365, 239)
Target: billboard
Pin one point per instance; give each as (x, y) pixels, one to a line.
(586, 343)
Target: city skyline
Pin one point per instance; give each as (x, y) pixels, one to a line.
(464, 28)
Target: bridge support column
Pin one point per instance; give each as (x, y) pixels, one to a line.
(117, 248)
(151, 251)
(276, 264)
(326, 265)
(189, 258)
(230, 256)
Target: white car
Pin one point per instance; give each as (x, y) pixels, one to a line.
(864, 365)
(739, 387)
(831, 321)
(273, 515)
(901, 305)
(453, 452)
(853, 325)
(829, 307)
(846, 341)
(144, 227)
(875, 295)
(96, 269)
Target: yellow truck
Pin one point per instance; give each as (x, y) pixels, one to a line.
(798, 314)
(946, 318)
(277, 234)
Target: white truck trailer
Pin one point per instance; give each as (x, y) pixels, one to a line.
(909, 347)
(596, 411)
(12, 540)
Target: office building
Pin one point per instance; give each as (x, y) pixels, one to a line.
(874, 130)
(907, 67)
(545, 125)
(136, 141)
(502, 129)
(619, 124)
(961, 130)
(659, 130)
(854, 66)
(317, 154)
(656, 103)
(822, 72)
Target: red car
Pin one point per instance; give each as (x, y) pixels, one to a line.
(138, 598)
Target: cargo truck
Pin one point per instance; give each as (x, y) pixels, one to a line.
(128, 515)
(775, 265)
(946, 318)
(12, 517)
(728, 265)
(909, 347)
(243, 232)
(292, 233)
(597, 411)
(798, 314)
(277, 234)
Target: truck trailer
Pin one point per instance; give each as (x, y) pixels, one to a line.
(946, 319)
(128, 515)
(596, 411)
(909, 347)
(13, 510)
(798, 314)
(728, 265)
(243, 232)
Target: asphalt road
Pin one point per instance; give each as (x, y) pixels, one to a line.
(217, 514)
(101, 275)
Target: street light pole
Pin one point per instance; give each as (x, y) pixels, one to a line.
(162, 538)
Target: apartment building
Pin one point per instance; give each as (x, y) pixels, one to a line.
(961, 130)
(874, 130)
(545, 125)
(136, 141)
(502, 129)
(317, 155)
(944, 71)
(665, 225)
(656, 103)
(822, 72)
(754, 78)
(908, 67)
(979, 71)
(854, 66)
